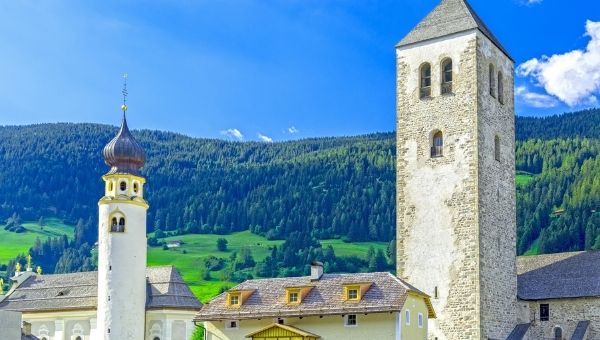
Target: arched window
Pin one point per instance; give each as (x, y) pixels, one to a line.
(110, 186)
(425, 81)
(121, 225)
(447, 76)
(156, 338)
(117, 224)
(437, 149)
(136, 188)
(78, 338)
(497, 148)
(500, 88)
(558, 333)
(492, 81)
(123, 186)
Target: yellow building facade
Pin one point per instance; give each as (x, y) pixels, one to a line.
(327, 307)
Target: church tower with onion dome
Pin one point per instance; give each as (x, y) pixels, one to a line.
(122, 240)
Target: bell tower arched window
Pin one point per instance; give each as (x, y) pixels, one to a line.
(437, 148)
(447, 76)
(425, 81)
(123, 186)
(117, 223)
(500, 88)
(492, 81)
(136, 187)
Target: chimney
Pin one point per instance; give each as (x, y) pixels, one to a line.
(316, 271)
(26, 328)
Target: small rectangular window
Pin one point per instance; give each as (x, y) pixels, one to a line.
(436, 293)
(544, 312)
(352, 294)
(420, 320)
(234, 300)
(407, 317)
(351, 320)
(232, 324)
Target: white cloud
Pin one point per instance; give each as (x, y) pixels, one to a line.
(573, 77)
(533, 99)
(533, 2)
(264, 138)
(233, 133)
(293, 130)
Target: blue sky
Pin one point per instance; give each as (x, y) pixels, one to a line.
(280, 69)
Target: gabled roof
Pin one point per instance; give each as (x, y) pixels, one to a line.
(449, 17)
(386, 294)
(290, 330)
(79, 291)
(558, 276)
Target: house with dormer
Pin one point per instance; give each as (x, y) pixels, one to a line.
(319, 306)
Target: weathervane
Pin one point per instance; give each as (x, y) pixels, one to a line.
(124, 92)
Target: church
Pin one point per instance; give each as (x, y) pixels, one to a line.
(458, 273)
(124, 299)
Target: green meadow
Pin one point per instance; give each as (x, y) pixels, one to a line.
(523, 178)
(189, 258)
(13, 244)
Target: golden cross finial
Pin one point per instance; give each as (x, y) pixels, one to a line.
(17, 267)
(124, 92)
(29, 261)
(39, 270)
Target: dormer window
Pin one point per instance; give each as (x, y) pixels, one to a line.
(295, 295)
(354, 292)
(236, 298)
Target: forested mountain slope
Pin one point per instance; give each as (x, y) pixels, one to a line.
(328, 187)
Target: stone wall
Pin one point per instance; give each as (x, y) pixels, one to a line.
(564, 313)
(496, 187)
(437, 215)
(456, 214)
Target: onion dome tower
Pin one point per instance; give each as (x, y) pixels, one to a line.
(122, 239)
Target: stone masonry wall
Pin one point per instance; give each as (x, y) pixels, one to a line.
(437, 214)
(564, 313)
(496, 187)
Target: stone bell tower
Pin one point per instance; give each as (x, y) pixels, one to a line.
(456, 225)
(122, 241)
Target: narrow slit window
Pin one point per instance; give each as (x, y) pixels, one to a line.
(500, 88)
(497, 148)
(492, 82)
(425, 84)
(135, 188)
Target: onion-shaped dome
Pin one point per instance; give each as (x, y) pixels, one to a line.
(123, 153)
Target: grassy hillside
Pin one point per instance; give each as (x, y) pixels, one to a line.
(13, 244)
(189, 258)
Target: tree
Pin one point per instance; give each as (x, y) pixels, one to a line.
(222, 244)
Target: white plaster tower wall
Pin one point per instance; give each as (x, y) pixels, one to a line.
(122, 244)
